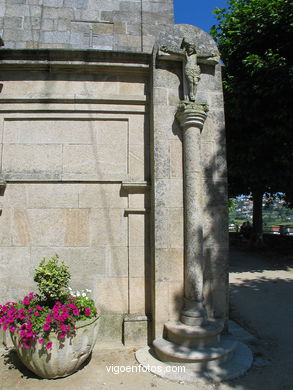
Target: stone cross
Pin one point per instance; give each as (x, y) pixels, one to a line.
(191, 69)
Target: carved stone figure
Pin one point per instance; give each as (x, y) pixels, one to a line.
(191, 68)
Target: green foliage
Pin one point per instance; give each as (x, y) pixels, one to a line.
(231, 204)
(83, 303)
(37, 322)
(53, 279)
(275, 210)
(255, 41)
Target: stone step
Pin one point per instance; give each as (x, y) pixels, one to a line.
(167, 351)
(235, 365)
(194, 336)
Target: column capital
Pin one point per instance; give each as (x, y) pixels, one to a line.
(191, 114)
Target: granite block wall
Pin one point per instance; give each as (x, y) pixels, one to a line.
(76, 185)
(130, 25)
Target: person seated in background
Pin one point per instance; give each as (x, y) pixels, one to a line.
(245, 230)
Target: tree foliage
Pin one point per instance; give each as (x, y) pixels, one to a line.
(255, 42)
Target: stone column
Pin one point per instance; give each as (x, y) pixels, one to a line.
(191, 117)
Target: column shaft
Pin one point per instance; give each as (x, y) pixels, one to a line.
(191, 117)
(193, 269)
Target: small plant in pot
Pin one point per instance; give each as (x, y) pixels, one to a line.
(55, 330)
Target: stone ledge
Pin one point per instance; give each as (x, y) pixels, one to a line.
(135, 187)
(112, 99)
(136, 211)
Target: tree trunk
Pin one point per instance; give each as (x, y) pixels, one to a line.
(257, 232)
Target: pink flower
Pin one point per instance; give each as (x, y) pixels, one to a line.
(36, 313)
(12, 329)
(65, 316)
(87, 311)
(31, 295)
(46, 326)
(63, 327)
(49, 345)
(21, 314)
(40, 341)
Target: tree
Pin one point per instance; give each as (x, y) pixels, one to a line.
(254, 39)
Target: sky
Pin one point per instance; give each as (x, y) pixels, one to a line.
(197, 12)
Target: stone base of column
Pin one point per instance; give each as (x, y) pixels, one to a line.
(200, 352)
(193, 313)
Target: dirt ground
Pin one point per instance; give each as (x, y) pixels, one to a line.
(261, 301)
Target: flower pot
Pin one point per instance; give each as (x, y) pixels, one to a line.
(66, 355)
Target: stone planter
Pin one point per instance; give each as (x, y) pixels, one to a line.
(65, 357)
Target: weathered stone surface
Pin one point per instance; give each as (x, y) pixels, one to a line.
(136, 230)
(137, 258)
(108, 227)
(101, 196)
(110, 335)
(12, 260)
(136, 161)
(175, 159)
(116, 261)
(94, 159)
(32, 159)
(137, 295)
(111, 25)
(94, 164)
(119, 290)
(135, 330)
(170, 264)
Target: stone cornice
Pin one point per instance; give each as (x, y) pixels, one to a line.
(53, 60)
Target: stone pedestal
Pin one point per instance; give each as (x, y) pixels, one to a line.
(135, 330)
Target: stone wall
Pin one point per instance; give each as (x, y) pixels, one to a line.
(92, 156)
(83, 24)
(75, 157)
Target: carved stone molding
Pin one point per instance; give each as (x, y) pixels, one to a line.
(191, 114)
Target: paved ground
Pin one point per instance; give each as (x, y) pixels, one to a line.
(261, 301)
